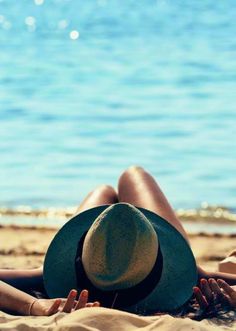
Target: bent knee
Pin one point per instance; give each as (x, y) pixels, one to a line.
(105, 189)
(134, 169)
(129, 174)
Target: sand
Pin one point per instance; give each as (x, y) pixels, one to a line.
(25, 248)
(102, 319)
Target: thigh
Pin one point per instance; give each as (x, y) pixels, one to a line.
(139, 188)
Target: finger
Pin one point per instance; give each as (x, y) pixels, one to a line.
(222, 297)
(206, 290)
(69, 304)
(203, 304)
(96, 304)
(54, 307)
(226, 287)
(215, 287)
(83, 300)
(89, 304)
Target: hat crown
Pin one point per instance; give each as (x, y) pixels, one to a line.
(120, 248)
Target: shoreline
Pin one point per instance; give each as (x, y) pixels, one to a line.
(205, 213)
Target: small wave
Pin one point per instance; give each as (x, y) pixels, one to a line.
(41, 213)
(206, 213)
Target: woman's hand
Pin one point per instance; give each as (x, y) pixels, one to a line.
(214, 293)
(47, 307)
(230, 292)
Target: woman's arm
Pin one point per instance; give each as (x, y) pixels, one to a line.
(12, 273)
(22, 303)
(25, 280)
(229, 278)
(15, 300)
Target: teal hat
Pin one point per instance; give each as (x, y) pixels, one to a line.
(126, 257)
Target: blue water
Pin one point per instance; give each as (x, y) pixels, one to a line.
(88, 88)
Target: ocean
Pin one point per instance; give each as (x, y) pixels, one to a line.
(88, 88)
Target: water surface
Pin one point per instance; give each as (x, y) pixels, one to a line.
(88, 88)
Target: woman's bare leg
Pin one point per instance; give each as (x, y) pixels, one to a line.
(139, 188)
(102, 195)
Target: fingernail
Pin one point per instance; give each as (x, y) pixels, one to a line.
(74, 293)
(196, 290)
(84, 293)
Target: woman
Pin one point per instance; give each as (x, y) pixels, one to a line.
(138, 188)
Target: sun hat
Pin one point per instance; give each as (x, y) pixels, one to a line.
(128, 258)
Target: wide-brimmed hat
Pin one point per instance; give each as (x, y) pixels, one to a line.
(126, 257)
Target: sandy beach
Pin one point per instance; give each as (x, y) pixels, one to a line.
(25, 247)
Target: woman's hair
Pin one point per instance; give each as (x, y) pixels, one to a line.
(220, 313)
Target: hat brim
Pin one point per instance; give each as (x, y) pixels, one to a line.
(179, 272)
